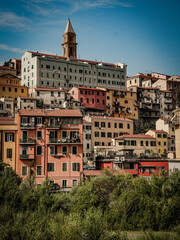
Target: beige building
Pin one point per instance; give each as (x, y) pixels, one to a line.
(161, 141)
(139, 78)
(120, 103)
(176, 122)
(140, 144)
(26, 103)
(8, 141)
(6, 107)
(106, 128)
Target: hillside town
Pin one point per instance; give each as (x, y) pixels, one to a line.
(67, 119)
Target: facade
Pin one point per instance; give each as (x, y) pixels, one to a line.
(106, 128)
(69, 42)
(16, 64)
(166, 104)
(161, 141)
(141, 145)
(8, 141)
(6, 107)
(7, 70)
(87, 144)
(50, 145)
(121, 103)
(26, 103)
(174, 87)
(10, 88)
(176, 123)
(141, 80)
(48, 97)
(93, 99)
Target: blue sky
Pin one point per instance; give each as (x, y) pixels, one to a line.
(144, 34)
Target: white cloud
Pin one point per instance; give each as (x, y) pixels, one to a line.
(10, 19)
(11, 49)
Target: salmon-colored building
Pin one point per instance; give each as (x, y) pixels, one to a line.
(50, 145)
(91, 98)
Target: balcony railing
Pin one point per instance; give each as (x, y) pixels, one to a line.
(27, 125)
(27, 156)
(55, 125)
(27, 141)
(61, 141)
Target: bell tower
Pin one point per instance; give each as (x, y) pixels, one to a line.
(69, 44)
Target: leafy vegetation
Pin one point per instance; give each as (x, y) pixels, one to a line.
(105, 207)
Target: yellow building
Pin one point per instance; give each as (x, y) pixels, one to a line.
(8, 141)
(121, 103)
(176, 122)
(161, 141)
(10, 87)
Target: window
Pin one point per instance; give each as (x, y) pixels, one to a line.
(133, 143)
(64, 134)
(87, 100)
(74, 150)
(53, 150)
(64, 167)
(96, 134)
(109, 125)
(103, 124)
(159, 135)
(39, 120)
(15, 89)
(39, 135)
(87, 146)
(74, 182)
(115, 135)
(92, 100)
(39, 170)
(75, 167)
(120, 125)
(109, 135)
(9, 137)
(9, 153)
(52, 94)
(164, 136)
(88, 136)
(39, 150)
(64, 183)
(128, 126)
(103, 134)
(64, 150)
(147, 143)
(164, 143)
(22, 90)
(115, 125)
(9, 89)
(96, 124)
(50, 167)
(98, 101)
(159, 143)
(141, 143)
(24, 170)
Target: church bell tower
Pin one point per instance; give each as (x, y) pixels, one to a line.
(69, 44)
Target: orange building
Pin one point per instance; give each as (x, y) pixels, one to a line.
(50, 141)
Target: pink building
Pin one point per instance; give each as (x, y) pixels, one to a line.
(91, 98)
(50, 141)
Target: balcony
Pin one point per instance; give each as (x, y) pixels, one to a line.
(28, 141)
(56, 125)
(168, 108)
(168, 101)
(176, 122)
(27, 125)
(64, 141)
(27, 156)
(116, 103)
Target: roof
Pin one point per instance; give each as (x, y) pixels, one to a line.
(85, 121)
(49, 89)
(164, 91)
(12, 85)
(50, 113)
(158, 131)
(166, 119)
(7, 121)
(73, 59)
(144, 76)
(112, 118)
(95, 89)
(69, 27)
(6, 74)
(135, 136)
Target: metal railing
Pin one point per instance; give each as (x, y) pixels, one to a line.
(27, 140)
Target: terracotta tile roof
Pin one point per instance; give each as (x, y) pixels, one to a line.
(49, 89)
(11, 75)
(74, 59)
(7, 121)
(12, 85)
(112, 118)
(165, 91)
(158, 131)
(166, 119)
(95, 89)
(50, 113)
(135, 136)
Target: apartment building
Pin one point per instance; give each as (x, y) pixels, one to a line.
(93, 99)
(176, 123)
(161, 141)
(48, 97)
(50, 145)
(8, 141)
(10, 88)
(139, 79)
(166, 104)
(140, 144)
(121, 103)
(87, 144)
(106, 128)
(26, 102)
(6, 107)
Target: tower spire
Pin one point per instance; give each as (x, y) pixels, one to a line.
(69, 42)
